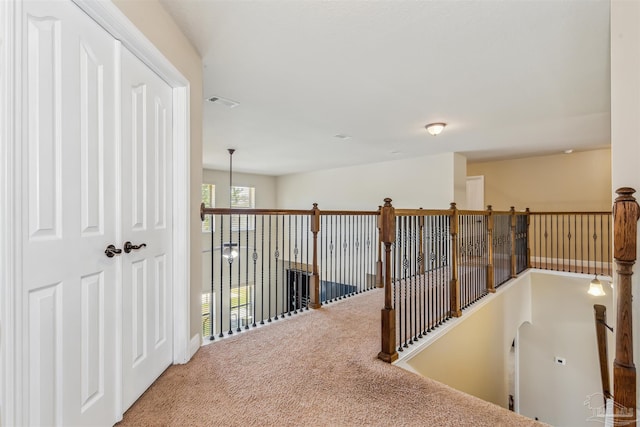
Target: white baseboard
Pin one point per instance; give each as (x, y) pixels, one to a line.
(194, 345)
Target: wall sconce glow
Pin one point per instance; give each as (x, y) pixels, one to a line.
(435, 128)
(230, 250)
(595, 288)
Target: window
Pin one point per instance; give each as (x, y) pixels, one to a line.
(209, 200)
(243, 197)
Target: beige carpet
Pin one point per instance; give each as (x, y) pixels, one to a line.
(315, 369)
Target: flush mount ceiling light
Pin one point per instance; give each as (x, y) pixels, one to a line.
(229, 103)
(342, 136)
(569, 151)
(435, 128)
(595, 288)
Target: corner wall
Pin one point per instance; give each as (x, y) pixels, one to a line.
(158, 26)
(561, 182)
(428, 182)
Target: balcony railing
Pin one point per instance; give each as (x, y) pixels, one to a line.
(433, 264)
(270, 264)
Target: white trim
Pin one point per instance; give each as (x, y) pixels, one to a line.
(9, 336)
(194, 346)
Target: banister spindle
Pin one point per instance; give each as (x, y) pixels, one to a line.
(379, 272)
(626, 214)
(387, 221)
(454, 306)
(314, 287)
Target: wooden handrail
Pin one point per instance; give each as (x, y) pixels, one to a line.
(626, 213)
(600, 316)
(570, 213)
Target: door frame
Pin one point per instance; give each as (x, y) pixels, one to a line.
(106, 14)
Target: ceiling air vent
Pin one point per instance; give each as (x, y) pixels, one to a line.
(223, 101)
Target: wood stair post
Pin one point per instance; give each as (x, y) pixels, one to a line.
(513, 241)
(490, 286)
(387, 225)
(314, 286)
(626, 213)
(454, 308)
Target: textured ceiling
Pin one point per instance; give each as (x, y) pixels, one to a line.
(511, 79)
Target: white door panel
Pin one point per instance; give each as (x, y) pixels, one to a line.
(146, 218)
(68, 292)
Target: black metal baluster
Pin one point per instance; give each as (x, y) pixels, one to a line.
(211, 301)
(289, 272)
(262, 297)
(285, 285)
(270, 272)
(248, 297)
(255, 269)
(221, 272)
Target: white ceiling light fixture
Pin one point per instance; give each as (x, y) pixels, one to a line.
(435, 128)
(342, 136)
(569, 151)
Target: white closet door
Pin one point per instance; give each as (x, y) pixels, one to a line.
(146, 219)
(68, 204)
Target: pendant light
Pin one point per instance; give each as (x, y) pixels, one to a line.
(230, 249)
(595, 288)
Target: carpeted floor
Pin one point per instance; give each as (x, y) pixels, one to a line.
(315, 369)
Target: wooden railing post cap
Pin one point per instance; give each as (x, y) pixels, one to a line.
(315, 206)
(489, 208)
(513, 209)
(625, 194)
(387, 202)
(202, 211)
(453, 206)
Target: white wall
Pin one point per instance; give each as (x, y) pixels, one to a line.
(563, 326)
(625, 116)
(428, 182)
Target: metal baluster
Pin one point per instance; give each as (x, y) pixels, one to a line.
(262, 297)
(221, 271)
(255, 277)
(270, 256)
(285, 286)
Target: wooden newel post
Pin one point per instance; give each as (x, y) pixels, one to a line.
(379, 272)
(387, 226)
(455, 309)
(314, 286)
(513, 241)
(490, 286)
(625, 227)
